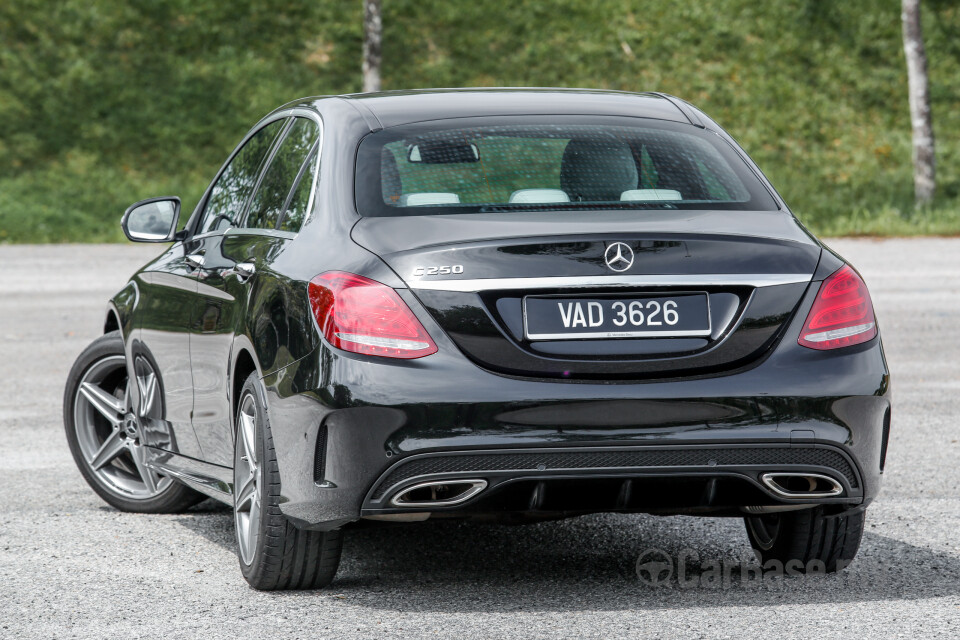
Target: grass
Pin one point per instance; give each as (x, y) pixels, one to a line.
(79, 201)
(933, 221)
(104, 102)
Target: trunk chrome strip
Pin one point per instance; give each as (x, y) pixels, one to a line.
(572, 282)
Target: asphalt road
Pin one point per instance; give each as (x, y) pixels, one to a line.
(72, 567)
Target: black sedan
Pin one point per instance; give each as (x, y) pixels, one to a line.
(510, 305)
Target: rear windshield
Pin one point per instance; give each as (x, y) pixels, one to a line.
(536, 163)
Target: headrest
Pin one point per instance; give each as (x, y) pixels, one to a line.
(649, 195)
(538, 196)
(597, 170)
(421, 199)
(390, 182)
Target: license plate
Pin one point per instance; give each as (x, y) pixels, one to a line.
(636, 316)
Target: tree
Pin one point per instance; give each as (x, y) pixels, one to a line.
(924, 163)
(372, 33)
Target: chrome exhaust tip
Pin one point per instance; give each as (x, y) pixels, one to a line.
(801, 485)
(438, 493)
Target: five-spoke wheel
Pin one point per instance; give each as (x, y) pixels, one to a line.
(110, 429)
(247, 480)
(274, 554)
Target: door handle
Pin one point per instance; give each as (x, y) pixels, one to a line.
(244, 271)
(195, 260)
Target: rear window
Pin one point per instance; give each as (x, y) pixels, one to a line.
(547, 163)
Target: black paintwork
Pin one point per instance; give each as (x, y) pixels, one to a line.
(488, 389)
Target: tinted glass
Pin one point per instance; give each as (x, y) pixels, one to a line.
(538, 163)
(278, 179)
(300, 202)
(233, 187)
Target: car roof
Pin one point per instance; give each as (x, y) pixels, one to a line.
(392, 108)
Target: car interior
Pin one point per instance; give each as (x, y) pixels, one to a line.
(587, 169)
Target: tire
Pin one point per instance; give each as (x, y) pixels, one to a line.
(273, 554)
(94, 406)
(812, 540)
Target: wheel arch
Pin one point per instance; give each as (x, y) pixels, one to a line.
(112, 321)
(244, 363)
(120, 310)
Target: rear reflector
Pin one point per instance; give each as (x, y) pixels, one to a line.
(365, 316)
(842, 314)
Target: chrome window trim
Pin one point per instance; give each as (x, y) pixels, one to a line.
(305, 170)
(210, 234)
(201, 209)
(573, 282)
(267, 161)
(197, 215)
(272, 233)
(313, 115)
(315, 174)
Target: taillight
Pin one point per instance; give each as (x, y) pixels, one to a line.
(842, 314)
(365, 316)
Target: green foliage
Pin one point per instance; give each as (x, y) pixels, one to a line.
(103, 102)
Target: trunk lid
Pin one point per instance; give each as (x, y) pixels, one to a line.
(472, 273)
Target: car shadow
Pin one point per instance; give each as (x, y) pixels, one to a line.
(590, 563)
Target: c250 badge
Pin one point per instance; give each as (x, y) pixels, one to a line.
(444, 270)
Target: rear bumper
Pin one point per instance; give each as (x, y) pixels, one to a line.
(638, 478)
(350, 432)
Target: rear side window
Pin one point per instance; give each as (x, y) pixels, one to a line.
(278, 180)
(233, 187)
(538, 163)
(299, 205)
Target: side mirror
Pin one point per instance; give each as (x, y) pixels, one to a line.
(153, 220)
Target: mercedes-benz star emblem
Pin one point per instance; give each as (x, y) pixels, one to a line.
(619, 256)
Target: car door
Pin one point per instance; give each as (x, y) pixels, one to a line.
(215, 309)
(236, 269)
(167, 293)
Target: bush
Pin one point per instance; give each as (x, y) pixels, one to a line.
(103, 102)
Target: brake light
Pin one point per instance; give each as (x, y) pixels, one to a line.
(842, 314)
(365, 316)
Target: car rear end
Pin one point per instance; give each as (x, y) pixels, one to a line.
(568, 334)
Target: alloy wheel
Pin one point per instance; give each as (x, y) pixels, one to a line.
(247, 476)
(111, 433)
